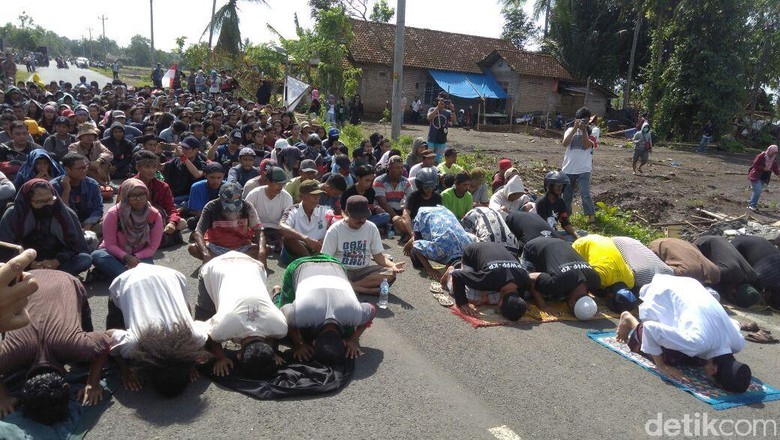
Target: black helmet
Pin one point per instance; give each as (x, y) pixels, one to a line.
(555, 178)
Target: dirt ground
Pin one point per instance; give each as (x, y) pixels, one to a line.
(666, 193)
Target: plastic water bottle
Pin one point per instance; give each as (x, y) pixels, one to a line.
(384, 294)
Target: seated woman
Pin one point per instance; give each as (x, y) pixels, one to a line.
(39, 220)
(132, 230)
(39, 164)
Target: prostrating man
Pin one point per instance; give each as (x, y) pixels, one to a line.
(686, 260)
(616, 277)
(438, 237)
(148, 308)
(322, 310)
(488, 275)
(303, 225)
(527, 225)
(228, 224)
(234, 303)
(737, 277)
(355, 242)
(682, 323)
(642, 261)
(489, 226)
(270, 202)
(392, 190)
(764, 257)
(60, 332)
(458, 198)
(80, 192)
(551, 207)
(559, 273)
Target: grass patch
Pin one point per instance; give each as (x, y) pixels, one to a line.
(612, 221)
(132, 75)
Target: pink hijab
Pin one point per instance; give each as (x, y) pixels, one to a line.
(771, 156)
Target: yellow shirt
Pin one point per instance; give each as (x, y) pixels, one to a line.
(454, 169)
(605, 258)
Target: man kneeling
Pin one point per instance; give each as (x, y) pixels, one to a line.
(160, 336)
(322, 310)
(234, 303)
(682, 323)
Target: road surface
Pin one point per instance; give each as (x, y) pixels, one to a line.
(71, 75)
(427, 374)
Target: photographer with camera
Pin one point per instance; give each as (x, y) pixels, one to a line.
(440, 117)
(578, 163)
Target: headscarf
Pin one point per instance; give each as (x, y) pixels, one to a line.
(63, 218)
(135, 225)
(27, 170)
(227, 197)
(771, 156)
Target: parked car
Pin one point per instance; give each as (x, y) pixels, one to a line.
(82, 63)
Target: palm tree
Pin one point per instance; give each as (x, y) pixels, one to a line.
(226, 21)
(540, 6)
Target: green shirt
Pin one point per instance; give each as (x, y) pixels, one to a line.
(458, 205)
(454, 169)
(293, 188)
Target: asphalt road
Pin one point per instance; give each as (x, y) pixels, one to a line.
(71, 75)
(427, 374)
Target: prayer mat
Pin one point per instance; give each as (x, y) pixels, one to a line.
(291, 380)
(80, 418)
(489, 316)
(695, 381)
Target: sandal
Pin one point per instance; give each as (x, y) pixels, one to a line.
(436, 287)
(761, 337)
(749, 326)
(444, 300)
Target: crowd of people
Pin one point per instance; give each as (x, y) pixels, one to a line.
(249, 181)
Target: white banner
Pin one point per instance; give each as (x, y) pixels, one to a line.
(295, 91)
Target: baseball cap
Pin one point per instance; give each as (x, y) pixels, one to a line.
(357, 207)
(308, 166)
(624, 299)
(68, 113)
(276, 175)
(310, 187)
(246, 151)
(190, 142)
(236, 135)
(333, 132)
(118, 114)
(428, 153)
(213, 167)
(61, 120)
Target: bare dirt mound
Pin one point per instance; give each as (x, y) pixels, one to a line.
(650, 207)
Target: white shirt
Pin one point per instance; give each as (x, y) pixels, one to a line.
(322, 291)
(680, 314)
(269, 211)
(150, 295)
(236, 283)
(314, 228)
(414, 170)
(577, 160)
(354, 248)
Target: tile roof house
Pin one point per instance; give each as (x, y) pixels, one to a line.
(522, 82)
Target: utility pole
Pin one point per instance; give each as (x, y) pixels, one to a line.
(151, 23)
(103, 18)
(398, 70)
(627, 89)
(90, 42)
(211, 27)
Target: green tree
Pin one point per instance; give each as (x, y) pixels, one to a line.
(699, 66)
(517, 28)
(138, 50)
(382, 12)
(226, 21)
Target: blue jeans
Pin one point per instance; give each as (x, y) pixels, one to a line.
(79, 263)
(179, 200)
(109, 265)
(705, 140)
(757, 186)
(380, 219)
(581, 181)
(438, 149)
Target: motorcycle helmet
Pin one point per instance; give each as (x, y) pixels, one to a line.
(555, 178)
(427, 178)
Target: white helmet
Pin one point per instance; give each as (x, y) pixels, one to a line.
(585, 308)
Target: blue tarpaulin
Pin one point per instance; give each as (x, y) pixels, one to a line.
(457, 84)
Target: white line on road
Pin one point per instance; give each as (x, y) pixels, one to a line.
(504, 433)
